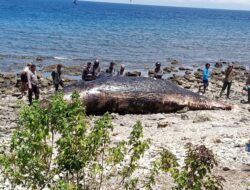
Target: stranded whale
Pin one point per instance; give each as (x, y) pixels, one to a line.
(138, 95)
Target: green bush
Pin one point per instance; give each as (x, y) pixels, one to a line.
(195, 174)
(55, 147)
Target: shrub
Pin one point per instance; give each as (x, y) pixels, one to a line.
(55, 147)
(196, 173)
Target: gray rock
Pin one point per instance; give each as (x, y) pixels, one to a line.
(174, 62)
(164, 124)
(226, 169)
(184, 117)
(184, 110)
(201, 119)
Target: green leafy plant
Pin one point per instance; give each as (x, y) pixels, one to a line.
(196, 173)
(56, 147)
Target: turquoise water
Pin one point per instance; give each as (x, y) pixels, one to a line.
(60, 31)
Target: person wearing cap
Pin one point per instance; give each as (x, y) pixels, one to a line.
(87, 73)
(32, 83)
(158, 72)
(111, 69)
(227, 83)
(122, 69)
(56, 76)
(205, 78)
(96, 70)
(24, 79)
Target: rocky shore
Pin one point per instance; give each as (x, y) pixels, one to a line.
(224, 132)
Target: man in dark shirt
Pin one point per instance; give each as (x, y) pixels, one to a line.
(87, 74)
(111, 69)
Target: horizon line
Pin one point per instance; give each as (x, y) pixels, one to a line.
(160, 5)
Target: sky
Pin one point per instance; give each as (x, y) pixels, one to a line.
(219, 4)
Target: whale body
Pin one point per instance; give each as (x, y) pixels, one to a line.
(138, 95)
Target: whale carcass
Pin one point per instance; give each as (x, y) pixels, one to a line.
(138, 95)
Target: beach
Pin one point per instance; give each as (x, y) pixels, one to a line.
(50, 32)
(224, 132)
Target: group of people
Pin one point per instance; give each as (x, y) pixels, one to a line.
(91, 72)
(29, 78)
(227, 82)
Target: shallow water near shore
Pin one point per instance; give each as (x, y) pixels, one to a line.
(62, 32)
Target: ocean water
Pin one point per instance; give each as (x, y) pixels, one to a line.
(135, 35)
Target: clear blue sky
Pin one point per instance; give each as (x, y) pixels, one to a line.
(221, 4)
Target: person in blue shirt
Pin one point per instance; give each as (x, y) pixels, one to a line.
(205, 77)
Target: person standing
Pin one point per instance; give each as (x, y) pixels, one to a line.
(96, 71)
(247, 88)
(56, 76)
(229, 74)
(122, 69)
(111, 69)
(86, 73)
(24, 79)
(205, 77)
(33, 84)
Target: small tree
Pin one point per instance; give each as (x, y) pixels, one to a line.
(196, 173)
(56, 147)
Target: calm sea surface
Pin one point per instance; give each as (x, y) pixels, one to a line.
(60, 31)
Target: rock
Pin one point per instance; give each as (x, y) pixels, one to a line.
(45, 82)
(14, 105)
(115, 134)
(239, 67)
(39, 58)
(133, 74)
(17, 94)
(203, 137)
(184, 117)
(185, 69)
(158, 117)
(174, 62)
(198, 74)
(151, 73)
(49, 68)
(114, 115)
(216, 72)
(185, 139)
(237, 145)
(189, 78)
(163, 124)
(188, 72)
(225, 169)
(187, 86)
(201, 119)
(184, 110)
(177, 79)
(244, 120)
(9, 76)
(168, 69)
(218, 64)
(217, 141)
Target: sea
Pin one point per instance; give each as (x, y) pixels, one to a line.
(60, 31)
